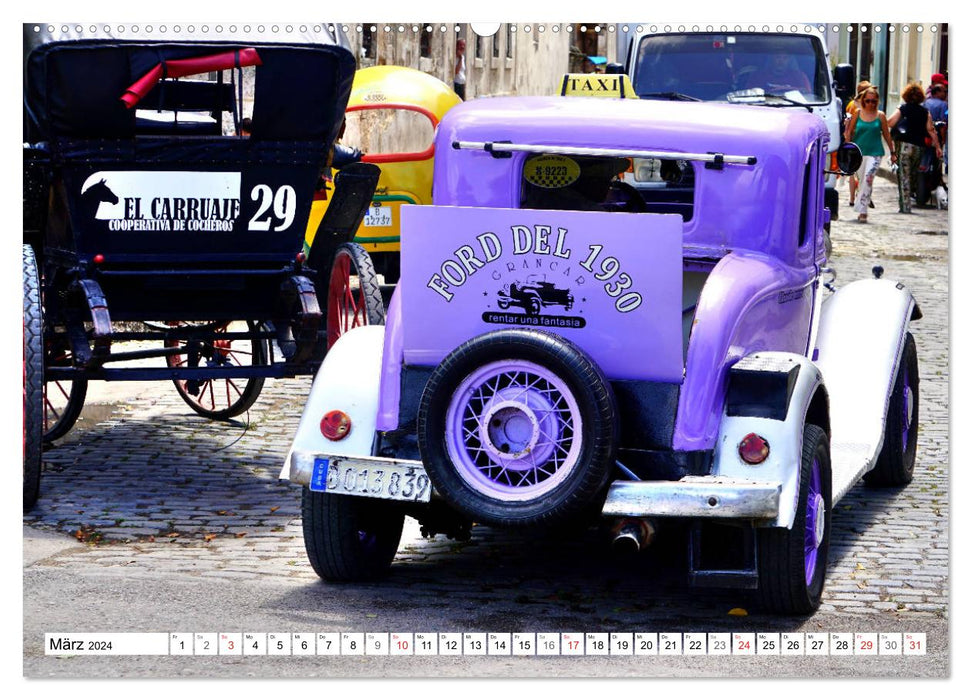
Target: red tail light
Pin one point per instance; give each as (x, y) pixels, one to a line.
(753, 449)
(335, 425)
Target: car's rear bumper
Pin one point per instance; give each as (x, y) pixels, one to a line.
(695, 497)
(690, 497)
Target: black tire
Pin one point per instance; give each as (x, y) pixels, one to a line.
(33, 379)
(895, 464)
(473, 481)
(350, 538)
(787, 583)
(352, 273)
(222, 399)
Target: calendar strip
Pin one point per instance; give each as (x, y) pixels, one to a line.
(511, 644)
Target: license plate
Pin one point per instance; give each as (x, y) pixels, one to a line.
(378, 216)
(389, 481)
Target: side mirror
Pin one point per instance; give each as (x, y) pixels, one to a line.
(845, 76)
(848, 158)
(613, 68)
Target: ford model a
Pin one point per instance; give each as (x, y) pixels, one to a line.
(698, 374)
(151, 217)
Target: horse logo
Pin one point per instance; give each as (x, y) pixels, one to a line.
(93, 196)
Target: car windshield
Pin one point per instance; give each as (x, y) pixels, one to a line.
(711, 67)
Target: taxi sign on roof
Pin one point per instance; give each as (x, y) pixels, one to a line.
(597, 85)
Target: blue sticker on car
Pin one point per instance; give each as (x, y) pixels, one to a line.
(318, 480)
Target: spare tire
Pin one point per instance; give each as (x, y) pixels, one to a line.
(518, 427)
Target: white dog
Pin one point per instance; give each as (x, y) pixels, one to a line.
(940, 196)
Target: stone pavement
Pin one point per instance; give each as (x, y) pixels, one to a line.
(147, 489)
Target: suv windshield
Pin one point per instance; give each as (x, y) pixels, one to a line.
(712, 66)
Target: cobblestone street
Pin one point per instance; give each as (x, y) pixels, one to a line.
(145, 489)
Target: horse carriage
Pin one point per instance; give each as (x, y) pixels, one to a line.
(156, 229)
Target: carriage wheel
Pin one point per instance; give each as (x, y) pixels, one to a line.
(354, 296)
(221, 398)
(33, 379)
(63, 400)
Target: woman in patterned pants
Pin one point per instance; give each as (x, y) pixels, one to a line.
(913, 128)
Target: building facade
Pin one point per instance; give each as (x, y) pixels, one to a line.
(891, 55)
(516, 59)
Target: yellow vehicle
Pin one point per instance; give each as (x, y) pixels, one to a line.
(392, 115)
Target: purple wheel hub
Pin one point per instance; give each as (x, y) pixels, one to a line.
(513, 430)
(908, 408)
(815, 521)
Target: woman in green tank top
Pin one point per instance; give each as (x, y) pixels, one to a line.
(866, 128)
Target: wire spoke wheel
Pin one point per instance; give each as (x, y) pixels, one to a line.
(518, 427)
(513, 430)
(63, 399)
(815, 522)
(220, 398)
(353, 295)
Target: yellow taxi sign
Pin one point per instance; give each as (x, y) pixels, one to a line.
(598, 85)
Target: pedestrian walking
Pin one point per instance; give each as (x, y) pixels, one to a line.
(936, 104)
(911, 128)
(851, 109)
(459, 79)
(868, 128)
(937, 79)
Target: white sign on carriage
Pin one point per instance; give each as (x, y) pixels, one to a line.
(163, 200)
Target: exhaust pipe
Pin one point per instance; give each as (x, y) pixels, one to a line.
(632, 535)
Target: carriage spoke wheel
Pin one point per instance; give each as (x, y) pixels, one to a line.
(353, 295)
(63, 399)
(221, 398)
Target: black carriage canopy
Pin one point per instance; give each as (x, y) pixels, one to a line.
(81, 88)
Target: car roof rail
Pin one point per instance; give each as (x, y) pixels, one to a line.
(503, 149)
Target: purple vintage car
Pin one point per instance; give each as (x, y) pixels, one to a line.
(697, 372)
